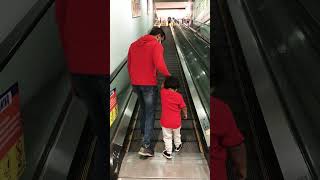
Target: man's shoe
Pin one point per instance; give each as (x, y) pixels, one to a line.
(146, 152)
(166, 154)
(177, 149)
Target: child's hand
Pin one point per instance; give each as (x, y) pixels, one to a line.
(185, 113)
(185, 116)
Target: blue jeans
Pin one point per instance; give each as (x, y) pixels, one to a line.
(147, 97)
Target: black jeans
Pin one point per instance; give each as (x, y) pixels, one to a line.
(93, 91)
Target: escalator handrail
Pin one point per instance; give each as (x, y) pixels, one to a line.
(198, 35)
(207, 41)
(118, 69)
(203, 23)
(194, 49)
(10, 45)
(317, 22)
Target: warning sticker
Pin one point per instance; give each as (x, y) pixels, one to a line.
(12, 156)
(113, 106)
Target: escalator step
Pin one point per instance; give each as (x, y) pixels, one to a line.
(158, 112)
(186, 124)
(187, 147)
(187, 135)
(158, 115)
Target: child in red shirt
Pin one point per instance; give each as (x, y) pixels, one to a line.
(226, 137)
(171, 104)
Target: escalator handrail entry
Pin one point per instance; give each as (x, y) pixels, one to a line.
(10, 45)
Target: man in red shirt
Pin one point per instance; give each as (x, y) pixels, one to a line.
(145, 57)
(225, 138)
(172, 104)
(83, 29)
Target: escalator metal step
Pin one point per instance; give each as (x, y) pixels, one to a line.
(158, 114)
(187, 147)
(187, 135)
(186, 124)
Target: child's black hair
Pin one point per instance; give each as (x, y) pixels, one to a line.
(171, 82)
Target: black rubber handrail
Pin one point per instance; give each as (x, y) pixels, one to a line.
(118, 69)
(316, 21)
(10, 45)
(199, 35)
(204, 23)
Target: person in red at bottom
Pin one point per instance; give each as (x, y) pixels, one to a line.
(171, 104)
(225, 138)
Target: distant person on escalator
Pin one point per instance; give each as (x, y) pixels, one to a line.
(145, 57)
(172, 104)
(83, 29)
(226, 139)
(169, 21)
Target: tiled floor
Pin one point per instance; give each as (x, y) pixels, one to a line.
(182, 166)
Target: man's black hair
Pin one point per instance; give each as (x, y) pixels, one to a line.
(171, 82)
(156, 30)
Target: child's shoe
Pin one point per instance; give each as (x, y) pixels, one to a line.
(166, 154)
(177, 149)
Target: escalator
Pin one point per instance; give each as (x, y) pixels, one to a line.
(265, 62)
(234, 87)
(188, 131)
(191, 161)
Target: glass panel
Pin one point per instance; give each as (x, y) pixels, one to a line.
(202, 28)
(196, 53)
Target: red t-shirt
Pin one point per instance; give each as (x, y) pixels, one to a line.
(224, 134)
(171, 104)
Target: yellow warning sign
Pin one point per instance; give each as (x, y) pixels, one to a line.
(12, 165)
(113, 106)
(12, 155)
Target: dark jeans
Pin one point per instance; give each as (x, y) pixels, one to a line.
(93, 91)
(147, 97)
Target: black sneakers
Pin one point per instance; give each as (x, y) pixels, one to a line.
(146, 152)
(177, 149)
(166, 154)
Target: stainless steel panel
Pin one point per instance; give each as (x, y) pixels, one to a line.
(62, 153)
(125, 120)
